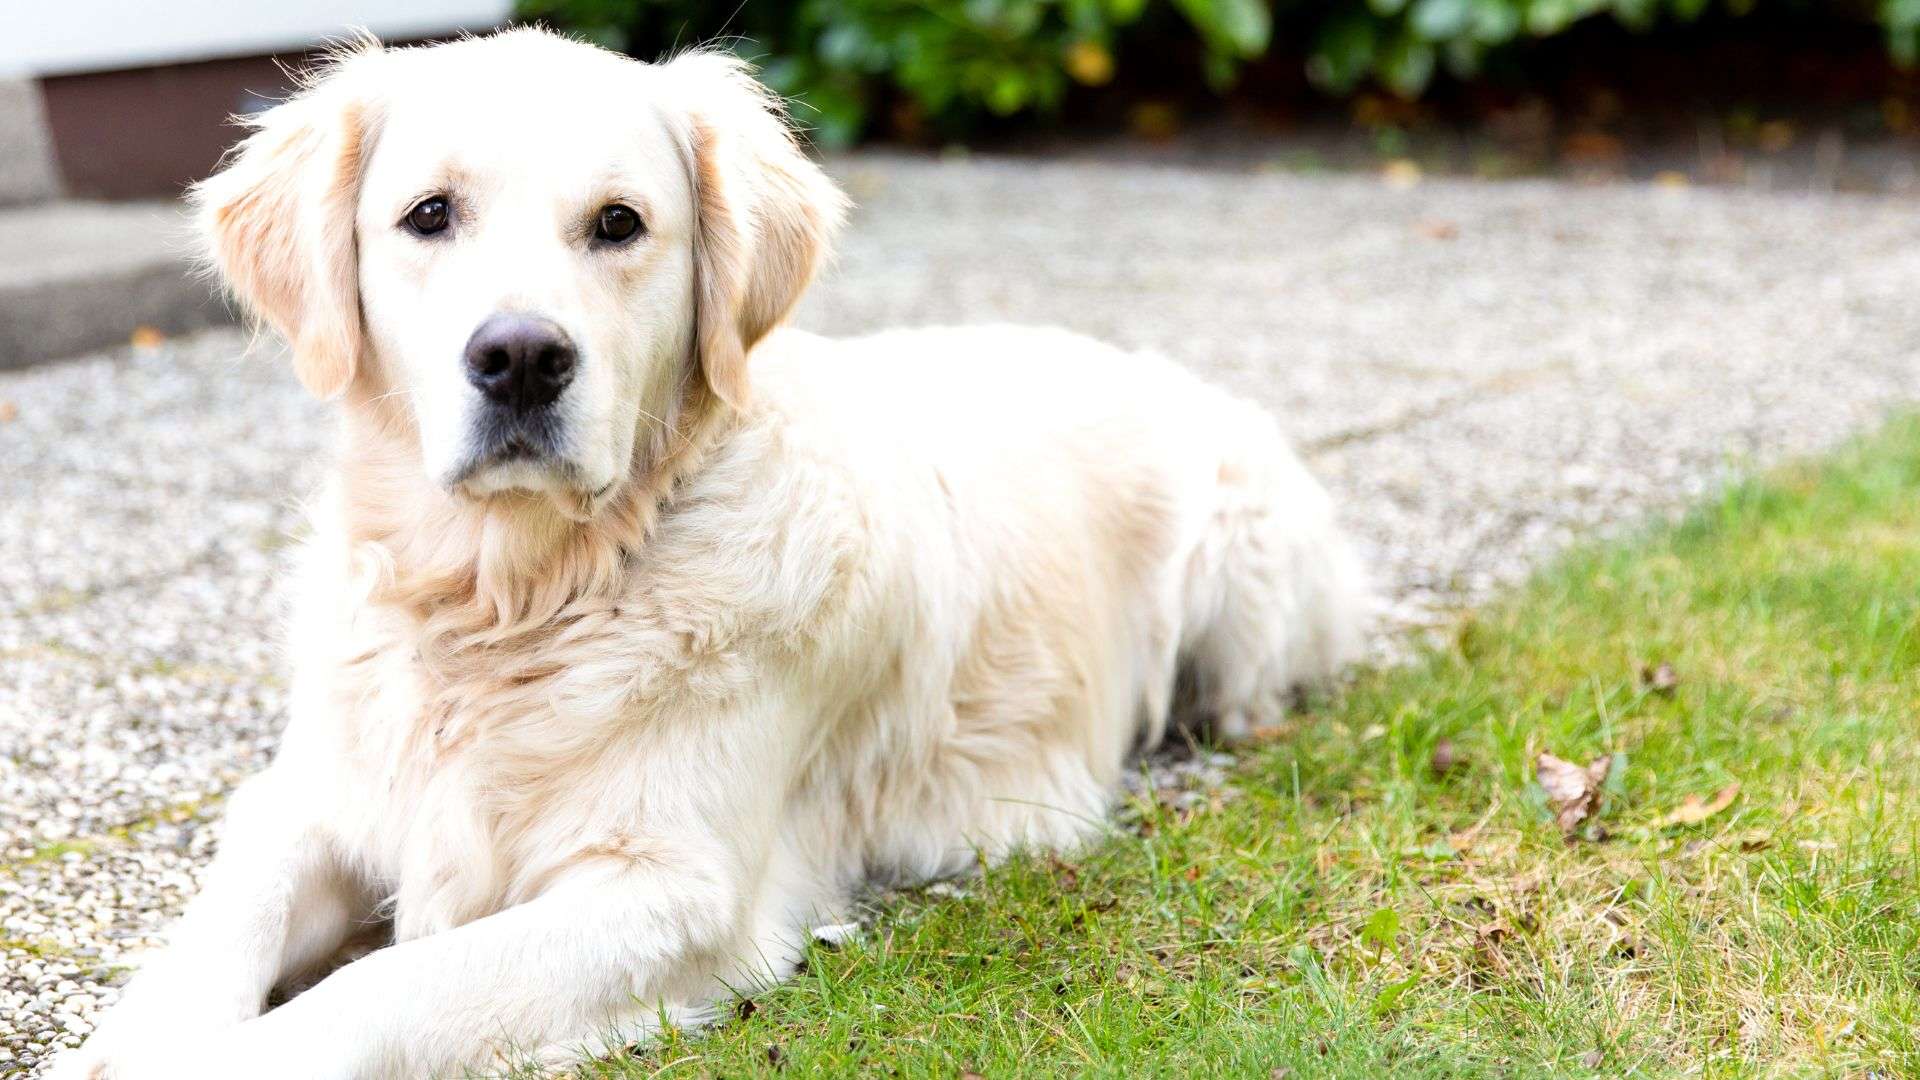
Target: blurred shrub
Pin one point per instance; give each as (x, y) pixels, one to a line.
(946, 64)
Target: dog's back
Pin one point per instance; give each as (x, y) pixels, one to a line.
(1051, 531)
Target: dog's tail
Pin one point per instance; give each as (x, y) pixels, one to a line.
(1273, 595)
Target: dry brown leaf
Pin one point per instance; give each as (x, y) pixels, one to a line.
(1444, 757)
(1572, 791)
(1693, 809)
(1489, 957)
(147, 338)
(1660, 678)
(9, 412)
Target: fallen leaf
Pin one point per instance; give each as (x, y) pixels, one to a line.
(1693, 809)
(1489, 958)
(1660, 678)
(9, 412)
(1671, 178)
(745, 1009)
(1592, 1059)
(1444, 758)
(969, 1074)
(1066, 874)
(776, 1057)
(1572, 791)
(1439, 230)
(1401, 173)
(146, 338)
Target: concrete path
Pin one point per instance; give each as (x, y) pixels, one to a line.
(1479, 372)
(76, 276)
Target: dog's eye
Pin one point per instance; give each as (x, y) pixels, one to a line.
(428, 216)
(616, 224)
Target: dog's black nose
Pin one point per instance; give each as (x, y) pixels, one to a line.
(520, 361)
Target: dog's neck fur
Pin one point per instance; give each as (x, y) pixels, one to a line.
(478, 574)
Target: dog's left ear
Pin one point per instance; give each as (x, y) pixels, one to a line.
(765, 214)
(278, 218)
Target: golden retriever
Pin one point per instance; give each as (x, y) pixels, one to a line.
(635, 634)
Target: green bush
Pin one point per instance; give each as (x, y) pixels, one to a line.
(946, 64)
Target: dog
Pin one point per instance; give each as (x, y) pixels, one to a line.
(635, 633)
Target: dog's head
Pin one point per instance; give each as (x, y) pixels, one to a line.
(535, 244)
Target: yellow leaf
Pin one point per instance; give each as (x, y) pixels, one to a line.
(1693, 809)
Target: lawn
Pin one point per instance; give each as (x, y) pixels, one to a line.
(1384, 889)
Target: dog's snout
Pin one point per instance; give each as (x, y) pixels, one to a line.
(519, 361)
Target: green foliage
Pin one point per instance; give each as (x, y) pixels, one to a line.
(948, 64)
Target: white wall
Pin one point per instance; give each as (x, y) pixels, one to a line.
(55, 37)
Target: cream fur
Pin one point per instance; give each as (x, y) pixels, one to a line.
(864, 612)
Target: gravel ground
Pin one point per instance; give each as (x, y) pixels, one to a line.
(1480, 373)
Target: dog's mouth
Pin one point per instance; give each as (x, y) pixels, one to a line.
(529, 455)
(517, 449)
(519, 452)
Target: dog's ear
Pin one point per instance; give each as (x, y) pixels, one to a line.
(765, 214)
(278, 218)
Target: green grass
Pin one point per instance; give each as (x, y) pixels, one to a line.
(1353, 912)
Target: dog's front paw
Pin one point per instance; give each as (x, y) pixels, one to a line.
(142, 1046)
(114, 1059)
(79, 1063)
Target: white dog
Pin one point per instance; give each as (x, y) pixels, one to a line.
(635, 634)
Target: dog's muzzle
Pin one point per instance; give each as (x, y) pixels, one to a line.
(521, 365)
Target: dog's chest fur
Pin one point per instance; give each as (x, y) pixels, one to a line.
(467, 775)
(475, 775)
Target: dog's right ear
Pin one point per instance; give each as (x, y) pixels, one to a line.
(278, 218)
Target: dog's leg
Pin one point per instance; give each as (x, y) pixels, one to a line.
(653, 906)
(587, 965)
(274, 901)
